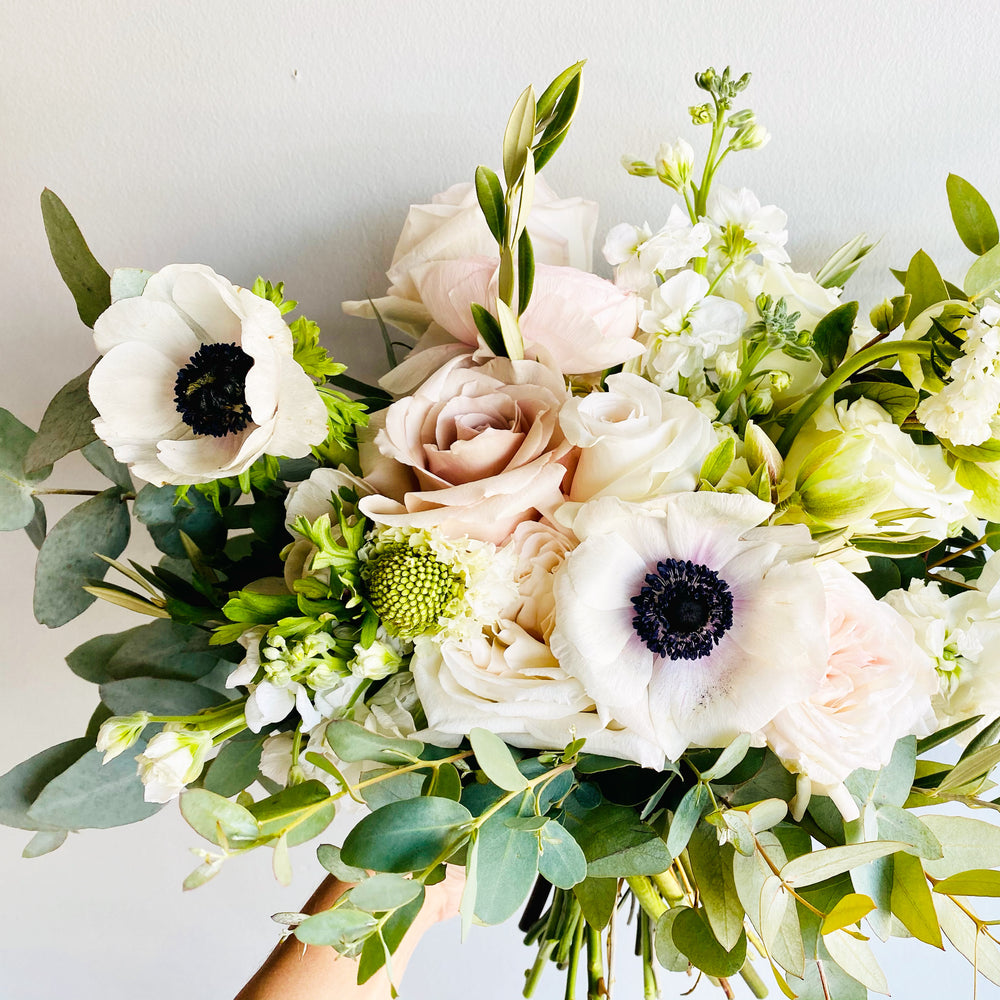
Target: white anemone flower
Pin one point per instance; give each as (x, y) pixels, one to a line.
(688, 623)
(198, 380)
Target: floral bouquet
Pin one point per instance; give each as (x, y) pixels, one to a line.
(643, 599)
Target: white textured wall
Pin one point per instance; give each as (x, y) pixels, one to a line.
(287, 139)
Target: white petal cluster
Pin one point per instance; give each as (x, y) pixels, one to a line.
(172, 759)
(741, 225)
(965, 410)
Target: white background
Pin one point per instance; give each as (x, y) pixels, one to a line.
(288, 139)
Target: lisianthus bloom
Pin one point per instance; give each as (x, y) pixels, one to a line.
(172, 760)
(961, 635)
(474, 451)
(689, 624)
(876, 689)
(198, 381)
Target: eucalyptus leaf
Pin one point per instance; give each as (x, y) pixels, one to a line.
(341, 928)
(66, 425)
(821, 865)
(66, 560)
(17, 502)
(37, 527)
(495, 760)
(383, 892)
(44, 842)
(158, 696)
(911, 900)
(562, 861)
(976, 882)
(84, 277)
(597, 897)
(329, 857)
(856, 959)
(216, 818)
(397, 788)
(236, 765)
(281, 862)
(617, 845)
(92, 795)
(712, 865)
(853, 908)
(166, 516)
(507, 863)
(692, 807)
(895, 823)
(406, 836)
(729, 758)
(21, 785)
(375, 949)
(352, 742)
(972, 215)
(102, 458)
(667, 953)
(965, 935)
(300, 811)
(693, 937)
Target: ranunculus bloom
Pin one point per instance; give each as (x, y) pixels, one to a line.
(584, 323)
(877, 688)
(474, 451)
(452, 226)
(198, 380)
(510, 684)
(689, 625)
(636, 441)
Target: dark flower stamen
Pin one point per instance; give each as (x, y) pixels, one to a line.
(683, 610)
(210, 391)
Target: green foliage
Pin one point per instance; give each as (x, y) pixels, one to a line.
(17, 502)
(67, 560)
(972, 215)
(692, 936)
(489, 193)
(923, 284)
(832, 336)
(166, 515)
(507, 862)
(66, 425)
(495, 760)
(352, 742)
(20, 786)
(84, 277)
(984, 275)
(236, 765)
(159, 696)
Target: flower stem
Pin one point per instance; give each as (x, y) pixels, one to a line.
(595, 965)
(752, 978)
(535, 972)
(647, 897)
(839, 376)
(574, 960)
(650, 989)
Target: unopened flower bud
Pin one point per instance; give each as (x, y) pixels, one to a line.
(780, 380)
(674, 162)
(376, 662)
(741, 118)
(830, 487)
(727, 369)
(120, 732)
(881, 317)
(702, 114)
(750, 136)
(638, 168)
(759, 402)
(760, 450)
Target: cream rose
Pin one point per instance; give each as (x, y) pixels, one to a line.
(583, 322)
(636, 441)
(511, 684)
(877, 688)
(476, 450)
(541, 548)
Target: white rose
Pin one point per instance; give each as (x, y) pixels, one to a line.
(636, 441)
(511, 685)
(876, 689)
(198, 381)
(172, 759)
(541, 548)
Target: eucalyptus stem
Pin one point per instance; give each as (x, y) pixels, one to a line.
(573, 965)
(647, 897)
(595, 965)
(535, 972)
(840, 375)
(752, 978)
(650, 990)
(570, 923)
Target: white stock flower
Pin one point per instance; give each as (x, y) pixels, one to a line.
(674, 162)
(197, 380)
(120, 732)
(636, 441)
(172, 759)
(510, 683)
(375, 661)
(684, 329)
(961, 635)
(876, 689)
(741, 225)
(964, 412)
(393, 709)
(689, 625)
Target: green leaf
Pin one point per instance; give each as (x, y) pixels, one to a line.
(592, 763)
(158, 696)
(525, 271)
(495, 760)
(597, 897)
(712, 864)
(989, 735)
(856, 959)
(373, 953)
(506, 863)
(943, 735)
(92, 795)
(556, 130)
(65, 427)
(911, 900)
(984, 275)
(301, 812)
(849, 910)
(899, 401)
(667, 953)
(972, 768)
(718, 461)
(692, 807)
(923, 284)
(512, 341)
(895, 823)
(406, 836)
(17, 503)
(329, 858)
(489, 329)
(965, 935)
(102, 458)
(557, 88)
(66, 560)
(236, 765)
(84, 277)
(832, 335)
(821, 865)
(490, 195)
(444, 781)
(891, 785)
(562, 860)
(976, 882)
(217, 819)
(518, 136)
(341, 928)
(383, 892)
(408, 785)
(44, 842)
(693, 937)
(728, 759)
(972, 215)
(21, 785)
(617, 845)
(351, 742)
(165, 516)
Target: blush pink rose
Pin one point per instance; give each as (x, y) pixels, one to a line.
(586, 324)
(476, 450)
(877, 688)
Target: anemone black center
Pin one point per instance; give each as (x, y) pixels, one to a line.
(210, 391)
(683, 610)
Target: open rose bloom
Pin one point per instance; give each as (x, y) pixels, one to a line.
(661, 577)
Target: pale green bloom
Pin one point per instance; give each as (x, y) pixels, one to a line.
(120, 732)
